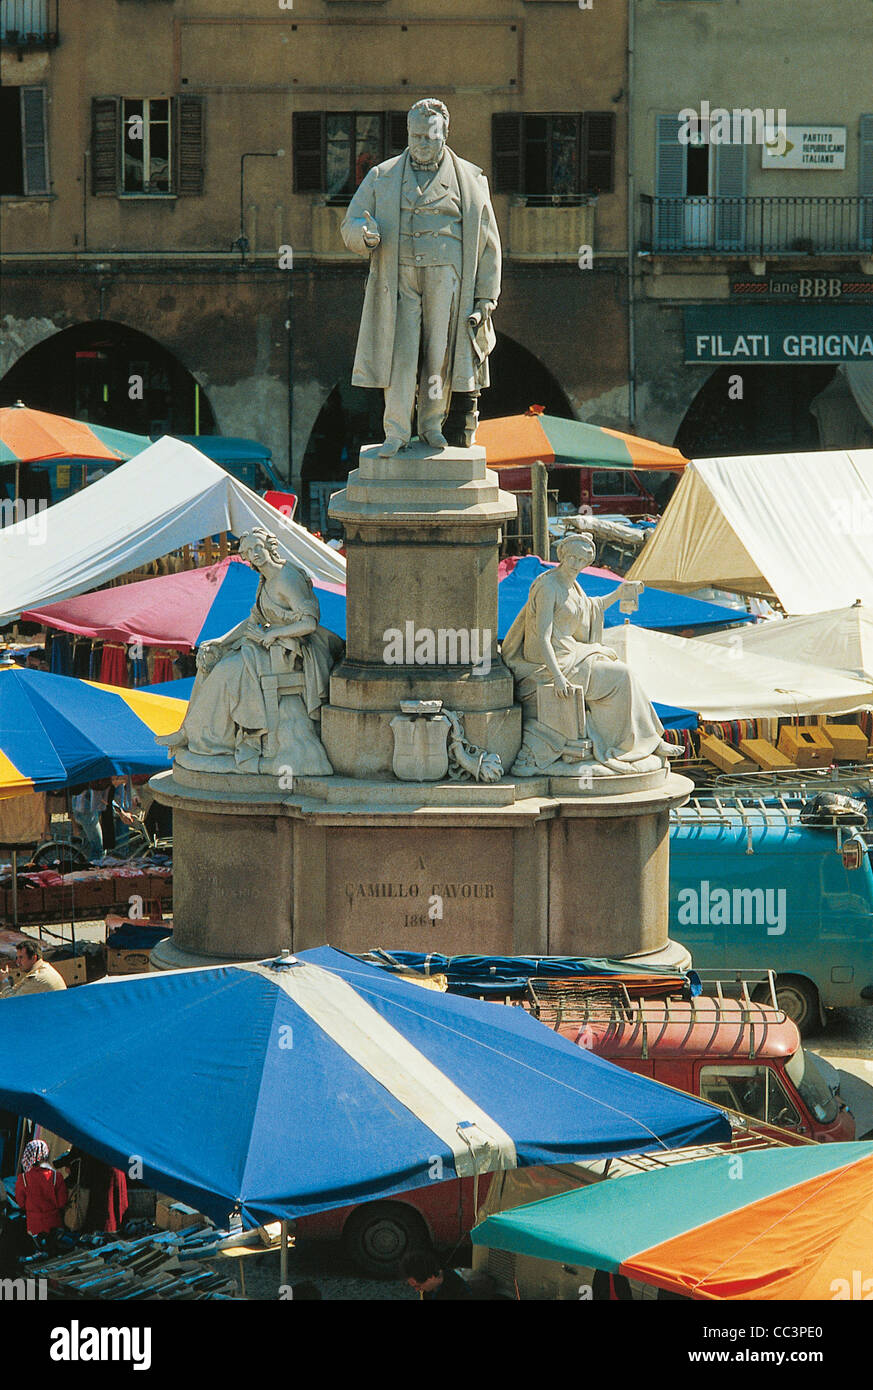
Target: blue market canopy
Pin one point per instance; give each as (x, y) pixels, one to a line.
(658, 609)
(292, 1086)
(57, 731)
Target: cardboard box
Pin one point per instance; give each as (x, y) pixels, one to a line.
(722, 756)
(175, 1216)
(125, 962)
(765, 754)
(74, 970)
(806, 747)
(848, 741)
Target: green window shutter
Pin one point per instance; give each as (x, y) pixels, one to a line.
(105, 144)
(34, 149)
(506, 135)
(670, 182)
(865, 182)
(599, 147)
(308, 139)
(189, 145)
(730, 182)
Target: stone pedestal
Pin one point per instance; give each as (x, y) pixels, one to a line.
(422, 538)
(516, 868)
(572, 864)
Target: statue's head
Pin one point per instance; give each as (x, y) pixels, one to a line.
(578, 550)
(427, 128)
(257, 546)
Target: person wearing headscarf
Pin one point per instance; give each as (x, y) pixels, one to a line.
(40, 1190)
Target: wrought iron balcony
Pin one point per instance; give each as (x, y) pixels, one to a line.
(756, 226)
(27, 24)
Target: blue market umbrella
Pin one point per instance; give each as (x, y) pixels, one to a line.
(292, 1086)
(57, 731)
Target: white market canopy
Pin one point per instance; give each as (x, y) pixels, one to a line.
(842, 639)
(795, 527)
(729, 682)
(168, 496)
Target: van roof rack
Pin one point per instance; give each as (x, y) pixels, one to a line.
(807, 780)
(600, 1001)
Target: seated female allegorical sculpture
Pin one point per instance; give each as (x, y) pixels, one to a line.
(259, 689)
(553, 649)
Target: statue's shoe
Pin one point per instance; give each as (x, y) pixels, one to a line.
(436, 440)
(670, 750)
(179, 739)
(391, 447)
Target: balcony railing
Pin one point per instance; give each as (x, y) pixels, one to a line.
(29, 23)
(756, 226)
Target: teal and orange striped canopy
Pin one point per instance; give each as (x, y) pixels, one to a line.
(31, 436)
(783, 1223)
(522, 439)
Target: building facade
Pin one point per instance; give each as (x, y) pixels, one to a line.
(175, 173)
(753, 292)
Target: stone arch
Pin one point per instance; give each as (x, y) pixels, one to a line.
(771, 415)
(90, 371)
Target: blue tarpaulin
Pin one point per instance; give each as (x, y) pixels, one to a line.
(306, 1083)
(502, 975)
(658, 609)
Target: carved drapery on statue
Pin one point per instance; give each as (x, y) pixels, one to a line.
(605, 719)
(256, 702)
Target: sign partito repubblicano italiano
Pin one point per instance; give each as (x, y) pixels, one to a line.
(806, 147)
(779, 333)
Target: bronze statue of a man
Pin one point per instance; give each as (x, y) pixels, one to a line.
(426, 222)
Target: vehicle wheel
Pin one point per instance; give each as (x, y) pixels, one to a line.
(61, 856)
(798, 998)
(379, 1235)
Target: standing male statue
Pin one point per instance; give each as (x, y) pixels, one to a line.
(425, 220)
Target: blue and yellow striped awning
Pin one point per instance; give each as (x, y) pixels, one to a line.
(56, 731)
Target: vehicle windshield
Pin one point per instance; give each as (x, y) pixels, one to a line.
(804, 1071)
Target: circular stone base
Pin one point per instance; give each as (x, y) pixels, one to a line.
(594, 781)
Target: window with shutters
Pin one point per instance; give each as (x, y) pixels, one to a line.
(147, 146)
(553, 155)
(334, 150)
(145, 162)
(23, 144)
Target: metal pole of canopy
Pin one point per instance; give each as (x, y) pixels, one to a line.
(283, 1254)
(539, 507)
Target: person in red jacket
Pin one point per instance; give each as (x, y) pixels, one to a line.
(40, 1191)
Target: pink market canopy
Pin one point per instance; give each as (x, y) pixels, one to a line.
(175, 610)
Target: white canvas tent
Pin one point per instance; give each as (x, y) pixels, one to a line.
(729, 682)
(794, 527)
(842, 640)
(168, 496)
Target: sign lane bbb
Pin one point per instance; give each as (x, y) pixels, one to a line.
(779, 333)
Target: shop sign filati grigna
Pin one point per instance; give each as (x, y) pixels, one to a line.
(773, 333)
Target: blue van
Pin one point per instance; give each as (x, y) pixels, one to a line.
(752, 888)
